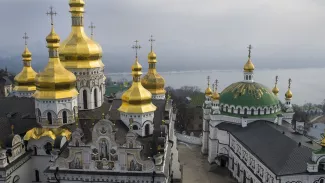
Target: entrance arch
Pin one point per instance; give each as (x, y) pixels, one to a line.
(49, 117)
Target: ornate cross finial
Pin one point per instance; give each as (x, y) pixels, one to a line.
(25, 37)
(276, 80)
(136, 47)
(151, 41)
(92, 27)
(213, 86)
(249, 50)
(289, 83)
(208, 78)
(51, 13)
(216, 83)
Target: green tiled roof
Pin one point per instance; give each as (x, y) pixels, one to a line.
(113, 89)
(197, 99)
(248, 94)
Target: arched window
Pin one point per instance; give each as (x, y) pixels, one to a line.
(36, 176)
(84, 96)
(48, 148)
(252, 181)
(250, 77)
(271, 110)
(49, 117)
(252, 112)
(135, 127)
(245, 111)
(259, 111)
(264, 110)
(95, 96)
(64, 116)
(246, 77)
(238, 111)
(39, 115)
(16, 179)
(226, 108)
(232, 110)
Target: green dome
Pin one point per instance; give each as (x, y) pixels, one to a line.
(248, 94)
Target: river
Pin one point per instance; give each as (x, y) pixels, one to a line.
(307, 84)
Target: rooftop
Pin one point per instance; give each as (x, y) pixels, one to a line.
(280, 153)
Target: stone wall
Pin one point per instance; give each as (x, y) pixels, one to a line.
(189, 139)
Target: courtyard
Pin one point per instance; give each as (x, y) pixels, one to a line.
(196, 167)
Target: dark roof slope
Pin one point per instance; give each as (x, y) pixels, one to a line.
(279, 153)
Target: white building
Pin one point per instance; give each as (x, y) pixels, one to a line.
(246, 131)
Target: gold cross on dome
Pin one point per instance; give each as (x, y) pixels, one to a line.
(249, 50)
(92, 27)
(136, 47)
(51, 13)
(216, 83)
(25, 37)
(276, 79)
(289, 83)
(151, 41)
(208, 78)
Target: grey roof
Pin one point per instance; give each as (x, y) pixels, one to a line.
(5, 80)
(279, 153)
(19, 112)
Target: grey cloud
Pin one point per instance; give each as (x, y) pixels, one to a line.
(206, 33)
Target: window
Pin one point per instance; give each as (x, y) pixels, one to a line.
(64, 116)
(259, 111)
(226, 108)
(252, 112)
(238, 170)
(49, 117)
(16, 179)
(37, 176)
(265, 111)
(245, 111)
(84, 96)
(95, 96)
(135, 127)
(232, 110)
(238, 111)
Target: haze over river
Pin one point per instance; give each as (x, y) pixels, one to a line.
(307, 84)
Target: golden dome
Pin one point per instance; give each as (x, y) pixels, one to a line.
(53, 133)
(78, 50)
(288, 94)
(323, 142)
(215, 95)
(55, 82)
(153, 81)
(208, 91)
(249, 66)
(137, 99)
(25, 80)
(275, 90)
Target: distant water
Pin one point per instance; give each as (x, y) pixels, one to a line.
(307, 84)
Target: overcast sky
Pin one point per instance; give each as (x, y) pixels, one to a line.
(203, 33)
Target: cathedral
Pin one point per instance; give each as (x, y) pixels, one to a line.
(248, 132)
(57, 125)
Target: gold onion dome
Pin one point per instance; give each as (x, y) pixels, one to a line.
(275, 90)
(78, 50)
(25, 80)
(215, 95)
(249, 66)
(55, 82)
(136, 99)
(288, 94)
(208, 91)
(153, 81)
(53, 133)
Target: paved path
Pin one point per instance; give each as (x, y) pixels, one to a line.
(196, 168)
